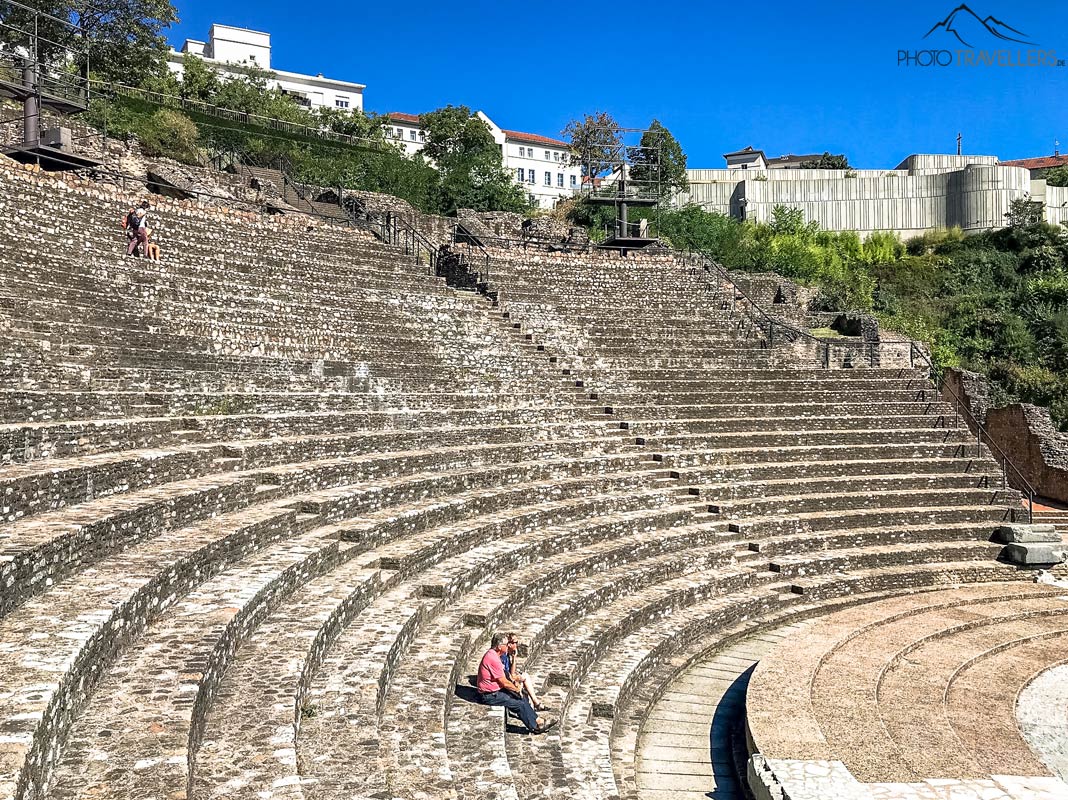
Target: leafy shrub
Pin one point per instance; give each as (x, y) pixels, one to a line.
(171, 133)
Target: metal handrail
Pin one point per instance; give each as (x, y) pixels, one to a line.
(510, 242)
(962, 408)
(981, 433)
(788, 332)
(471, 239)
(273, 123)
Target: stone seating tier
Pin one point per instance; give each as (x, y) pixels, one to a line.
(267, 499)
(962, 653)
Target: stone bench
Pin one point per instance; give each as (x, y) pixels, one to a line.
(803, 438)
(93, 617)
(827, 660)
(587, 753)
(722, 460)
(175, 668)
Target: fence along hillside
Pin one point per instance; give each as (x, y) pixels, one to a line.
(267, 499)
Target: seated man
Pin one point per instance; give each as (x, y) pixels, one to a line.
(517, 676)
(496, 689)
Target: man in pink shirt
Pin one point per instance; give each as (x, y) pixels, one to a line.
(495, 689)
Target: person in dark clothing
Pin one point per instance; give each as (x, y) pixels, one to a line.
(139, 241)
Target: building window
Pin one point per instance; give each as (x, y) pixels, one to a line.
(546, 155)
(745, 166)
(411, 134)
(252, 57)
(519, 174)
(523, 152)
(556, 156)
(560, 179)
(533, 199)
(530, 176)
(548, 179)
(341, 103)
(574, 181)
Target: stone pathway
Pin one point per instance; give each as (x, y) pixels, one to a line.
(686, 750)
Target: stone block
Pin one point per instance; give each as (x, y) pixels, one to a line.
(1024, 534)
(1031, 554)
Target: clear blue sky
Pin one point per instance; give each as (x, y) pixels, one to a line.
(785, 77)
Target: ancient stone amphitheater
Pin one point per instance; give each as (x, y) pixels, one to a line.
(264, 503)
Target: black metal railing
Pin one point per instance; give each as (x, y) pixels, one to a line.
(962, 409)
(104, 89)
(462, 235)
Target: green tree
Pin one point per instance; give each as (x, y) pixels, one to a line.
(170, 133)
(469, 161)
(248, 91)
(199, 81)
(1024, 213)
(826, 161)
(124, 39)
(1057, 176)
(790, 221)
(659, 162)
(596, 143)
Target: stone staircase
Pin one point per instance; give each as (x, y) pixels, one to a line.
(266, 500)
(1051, 512)
(293, 197)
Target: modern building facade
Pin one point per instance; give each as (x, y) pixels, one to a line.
(921, 193)
(540, 164)
(229, 48)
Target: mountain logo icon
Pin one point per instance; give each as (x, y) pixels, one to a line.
(967, 26)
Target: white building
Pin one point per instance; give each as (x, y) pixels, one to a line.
(921, 193)
(229, 47)
(540, 164)
(749, 158)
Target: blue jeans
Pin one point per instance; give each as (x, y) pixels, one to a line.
(519, 705)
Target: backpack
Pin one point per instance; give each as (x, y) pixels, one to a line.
(130, 222)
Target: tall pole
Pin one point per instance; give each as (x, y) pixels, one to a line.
(31, 109)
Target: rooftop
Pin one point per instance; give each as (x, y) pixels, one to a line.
(746, 151)
(536, 139)
(1038, 162)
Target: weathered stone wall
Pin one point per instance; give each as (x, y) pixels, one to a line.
(1025, 433)
(502, 228)
(1031, 440)
(438, 230)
